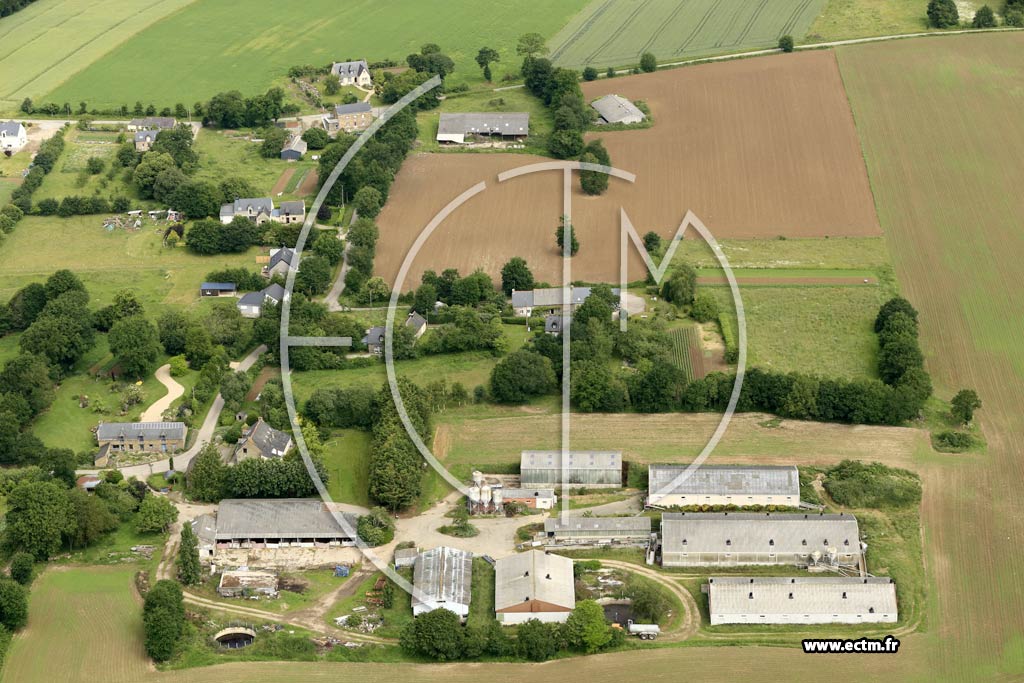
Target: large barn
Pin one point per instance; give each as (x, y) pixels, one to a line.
(464, 128)
(593, 469)
(730, 539)
(673, 486)
(801, 600)
(533, 585)
(443, 579)
(598, 529)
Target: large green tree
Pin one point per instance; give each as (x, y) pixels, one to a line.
(163, 618)
(189, 571)
(520, 376)
(156, 514)
(136, 345)
(205, 480)
(39, 514)
(586, 629)
(13, 604)
(516, 275)
(438, 634)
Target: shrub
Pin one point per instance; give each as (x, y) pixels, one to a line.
(13, 604)
(943, 13)
(648, 62)
(22, 566)
(786, 43)
(872, 485)
(705, 307)
(590, 74)
(376, 528)
(950, 441)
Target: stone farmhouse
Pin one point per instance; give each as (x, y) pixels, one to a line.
(139, 437)
(144, 139)
(349, 118)
(152, 123)
(261, 441)
(261, 209)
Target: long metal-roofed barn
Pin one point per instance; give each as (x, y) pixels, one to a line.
(533, 585)
(601, 469)
(456, 128)
(723, 485)
(443, 579)
(729, 538)
(596, 529)
(301, 522)
(802, 600)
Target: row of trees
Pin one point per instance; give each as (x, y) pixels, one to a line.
(231, 109)
(44, 162)
(945, 14)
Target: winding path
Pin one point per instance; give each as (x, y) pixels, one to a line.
(691, 621)
(155, 413)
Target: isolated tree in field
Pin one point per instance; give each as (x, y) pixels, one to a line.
(189, 571)
(595, 182)
(13, 605)
(156, 513)
(943, 13)
(367, 202)
(574, 244)
(984, 18)
(531, 45)
(648, 62)
(964, 404)
(652, 242)
(515, 274)
(484, 58)
(22, 567)
(520, 376)
(136, 345)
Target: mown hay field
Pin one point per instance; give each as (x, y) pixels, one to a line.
(211, 46)
(46, 42)
(950, 206)
(773, 152)
(617, 32)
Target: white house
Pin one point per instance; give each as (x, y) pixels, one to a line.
(12, 137)
(353, 73)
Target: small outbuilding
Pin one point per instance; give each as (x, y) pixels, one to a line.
(217, 288)
(294, 149)
(245, 583)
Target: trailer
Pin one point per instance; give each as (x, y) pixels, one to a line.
(643, 631)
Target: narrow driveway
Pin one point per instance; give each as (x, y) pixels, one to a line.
(155, 412)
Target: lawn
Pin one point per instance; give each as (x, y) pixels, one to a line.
(225, 154)
(264, 42)
(70, 177)
(109, 261)
(46, 42)
(517, 100)
(84, 624)
(7, 187)
(347, 459)
(616, 32)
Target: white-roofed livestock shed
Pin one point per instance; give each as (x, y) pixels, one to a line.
(802, 600)
(457, 128)
(442, 578)
(602, 469)
(594, 529)
(672, 486)
(533, 585)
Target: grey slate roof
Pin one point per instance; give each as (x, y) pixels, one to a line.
(415, 321)
(613, 108)
(731, 532)
(295, 143)
(609, 525)
(271, 442)
(220, 286)
(738, 480)
(205, 527)
(576, 460)
(141, 135)
(443, 575)
(284, 254)
(484, 123)
(242, 206)
(251, 299)
(533, 575)
(277, 519)
(374, 335)
(10, 127)
(275, 293)
(147, 430)
(160, 122)
(349, 69)
(550, 296)
(764, 595)
(296, 208)
(354, 108)
(553, 323)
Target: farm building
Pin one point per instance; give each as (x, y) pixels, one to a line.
(244, 583)
(583, 468)
(261, 441)
(152, 123)
(205, 528)
(417, 323)
(535, 499)
(728, 539)
(293, 533)
(12, 137)
(598, 529)
(352, 73)
(349, 118)
(673, 486)
(374, 338)
(141, 437)
(616, 109)
(251, 305)
(547, 300)
(801, 600)
(533, 585)
(217, 288)
(442, 579)
(281, 261)
(88, 482)
(463, 128)
(261, 209)
(144, 140)
(406, 557)
(553, 324)
(294, 148)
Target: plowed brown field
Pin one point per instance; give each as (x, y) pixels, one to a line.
(756, 148)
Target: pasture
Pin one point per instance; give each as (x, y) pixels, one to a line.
(958, 260)
(773, 153)
(617, 32)
(264, 41)
(842, 19)
(224, 154)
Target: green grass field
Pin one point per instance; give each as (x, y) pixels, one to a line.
(841, 19)
(45, 43)
(486, 100)
(217, 48)
(617, 32)
(70, 178)
(223, 155)
(347, 459)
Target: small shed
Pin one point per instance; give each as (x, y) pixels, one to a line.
(217, 288)
(244, 582)
(406, 557)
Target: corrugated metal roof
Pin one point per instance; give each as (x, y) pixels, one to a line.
(730, 595)
(724, 479)
(527, 493)
(610, 525)
(724, 532)
(576, 460)
(533, 575)
(487, 123)
(283, 518)
(614, 108)
(443, 575)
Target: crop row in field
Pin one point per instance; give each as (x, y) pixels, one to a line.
(617, 32)
(685, 342)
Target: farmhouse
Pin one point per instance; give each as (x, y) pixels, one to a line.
(144, 140)
(672, 486)
(217, 288)
(352, 73)
(290, 533)
(535, 499)
(281, 261)
(601, 469)
(548, 300)
(261, 209)
(152, 123)
(12, 137)
(261, 441)
(616, 109)
(244, 583)
(801, 600)
(141, 437)
(417, 323)
(290, 212)
(349, 117)
(294, 148)
(251, 305)
(374, 338)
(598, 529)
(463, 128)
(442, 580)
(533, 585)
(728, 539)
